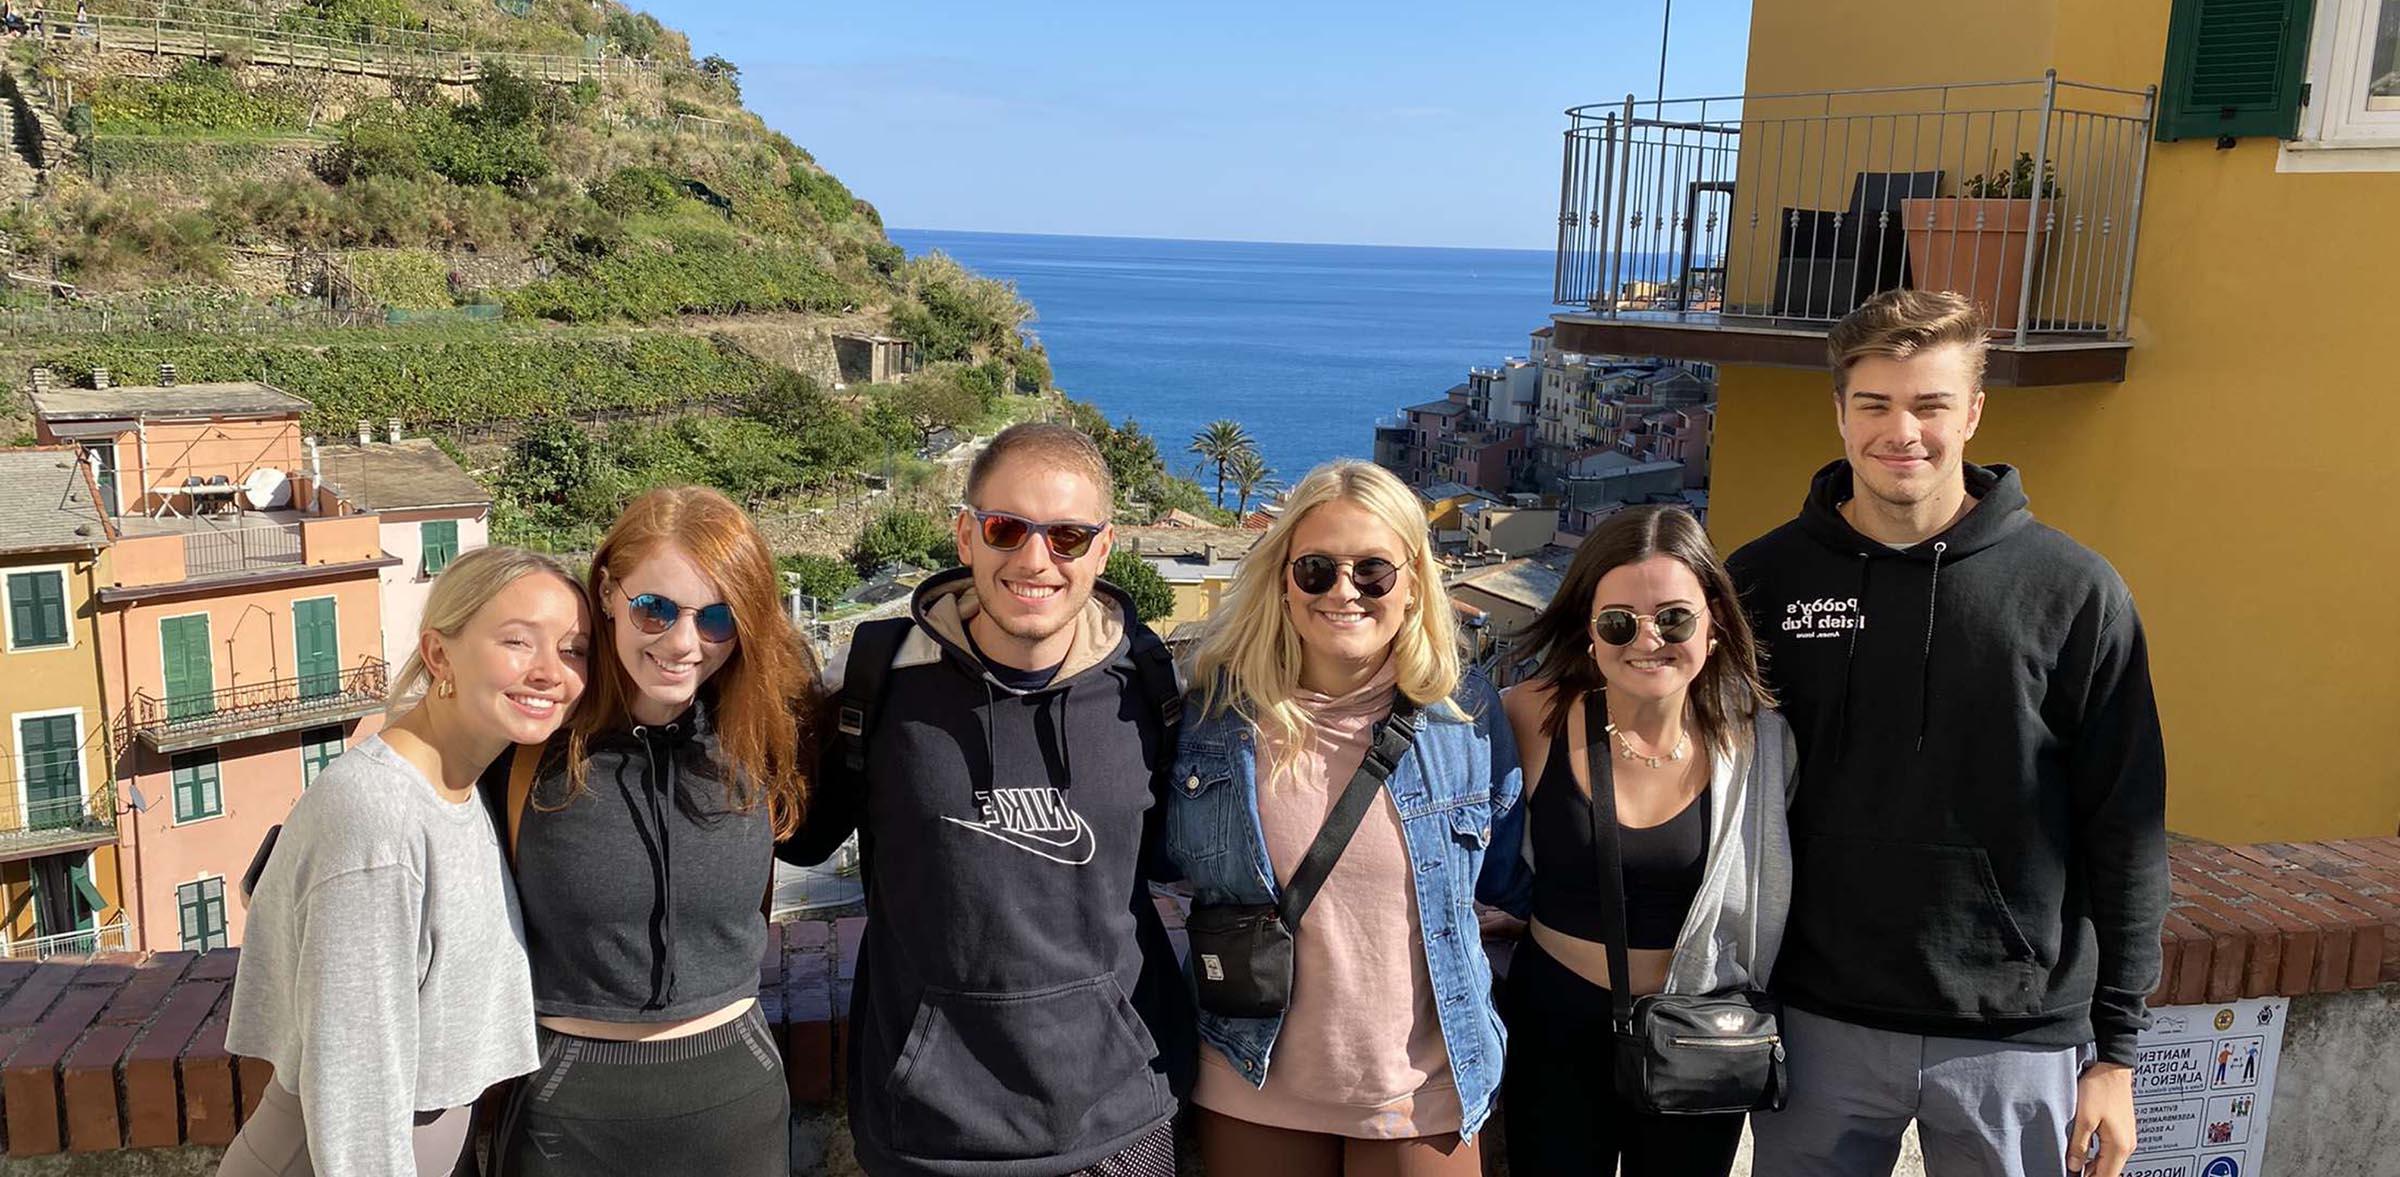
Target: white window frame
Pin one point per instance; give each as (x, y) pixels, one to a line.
(2341, 128)
(66, 605)
(176, 820)
(16, 741)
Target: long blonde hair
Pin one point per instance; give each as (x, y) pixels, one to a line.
(459, 593)
(1248, 656)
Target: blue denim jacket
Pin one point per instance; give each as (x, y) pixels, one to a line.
(1459, 777)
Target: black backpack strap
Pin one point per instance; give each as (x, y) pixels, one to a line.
(1161, 687)
(258, 860)
(872, 647)
(1393, 738)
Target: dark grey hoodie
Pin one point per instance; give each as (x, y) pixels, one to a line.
(1018, 1010)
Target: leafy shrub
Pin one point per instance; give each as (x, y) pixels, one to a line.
(885, 257)
(822, 577)
(636, 34)
(1153, 597)
(636, 191)
(820, 191)
(1033, 370)
(906, 537)
(954, 313)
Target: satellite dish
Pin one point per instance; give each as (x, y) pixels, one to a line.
(140, 803)
(266, 488)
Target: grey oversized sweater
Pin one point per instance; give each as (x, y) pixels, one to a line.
(383, 965)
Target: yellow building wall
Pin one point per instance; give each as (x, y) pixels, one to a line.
(51, 680)
(2241, 478)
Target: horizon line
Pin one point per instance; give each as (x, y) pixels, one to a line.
(1213, 240)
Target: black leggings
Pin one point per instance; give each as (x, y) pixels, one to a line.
(1564, 1115)
(713, 1102)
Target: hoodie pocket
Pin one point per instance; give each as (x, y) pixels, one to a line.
(1909, 927)
(1024, 1074)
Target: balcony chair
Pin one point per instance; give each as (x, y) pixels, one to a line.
(1830, 261)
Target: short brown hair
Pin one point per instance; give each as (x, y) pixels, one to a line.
(1061, 445)
(1897, 324)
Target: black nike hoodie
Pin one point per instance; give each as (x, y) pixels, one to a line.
(1978, 834)
(1018, 1010)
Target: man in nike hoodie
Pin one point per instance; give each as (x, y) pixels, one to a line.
(1018, 1010)
(1978, 832)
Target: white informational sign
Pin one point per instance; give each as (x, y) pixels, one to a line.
(2201, 1088)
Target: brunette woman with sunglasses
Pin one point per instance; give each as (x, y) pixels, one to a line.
(644, 844)
(1365, 1042)
(1647, 630)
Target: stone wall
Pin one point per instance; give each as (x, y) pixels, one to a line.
(117, 1065)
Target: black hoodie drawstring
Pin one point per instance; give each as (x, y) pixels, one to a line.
(658, 782)
(1933, 600)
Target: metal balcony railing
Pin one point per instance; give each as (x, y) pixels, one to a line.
(243, 549)
(108, 937)
(51, 824)
(171, 722)
(1796, 208)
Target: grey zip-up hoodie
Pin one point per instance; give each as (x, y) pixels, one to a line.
(1734, 930)
(1018, 1010)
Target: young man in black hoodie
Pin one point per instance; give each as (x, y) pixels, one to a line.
(1018, 1010)
(1978, 832)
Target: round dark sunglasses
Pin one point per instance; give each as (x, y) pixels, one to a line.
(652, 613)
(1619, 627)
(1372, 577)
(1004, 532)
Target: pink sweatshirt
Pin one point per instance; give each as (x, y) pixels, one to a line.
(1361, 1052)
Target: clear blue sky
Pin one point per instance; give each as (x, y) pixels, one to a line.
(1398, 123)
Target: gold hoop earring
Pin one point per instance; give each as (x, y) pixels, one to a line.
(446, 689)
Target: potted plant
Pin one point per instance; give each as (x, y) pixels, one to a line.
(1975, 242)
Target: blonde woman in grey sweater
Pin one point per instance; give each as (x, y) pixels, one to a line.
(383, 966)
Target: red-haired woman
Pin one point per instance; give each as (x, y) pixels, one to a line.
(643, 846)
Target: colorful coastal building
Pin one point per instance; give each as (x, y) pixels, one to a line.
(2178, 213)
(431, 512)
(237, 629)
(59, 888)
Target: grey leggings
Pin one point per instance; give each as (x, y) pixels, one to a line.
(274, 1141)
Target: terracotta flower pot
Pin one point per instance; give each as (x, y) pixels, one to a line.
(1975, 246)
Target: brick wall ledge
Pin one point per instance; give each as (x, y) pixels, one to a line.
(128, 1050)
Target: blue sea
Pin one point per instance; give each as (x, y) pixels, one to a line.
(1305, 345)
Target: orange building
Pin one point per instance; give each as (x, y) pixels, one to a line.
(239, 633)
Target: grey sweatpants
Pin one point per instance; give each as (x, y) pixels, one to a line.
(1983, 1109)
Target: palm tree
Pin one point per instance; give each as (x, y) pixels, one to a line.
(1250, 475)
(1220, 443)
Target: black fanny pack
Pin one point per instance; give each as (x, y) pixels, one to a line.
(1676, 1053)
(1242, 952)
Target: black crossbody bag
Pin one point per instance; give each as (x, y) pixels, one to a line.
(1676, 1053)
(1242, 952)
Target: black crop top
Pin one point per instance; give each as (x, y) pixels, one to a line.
(1663, 863)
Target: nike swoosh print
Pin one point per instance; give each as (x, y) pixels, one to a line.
(1076, 850)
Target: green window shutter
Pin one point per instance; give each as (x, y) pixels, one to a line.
(318, 748)
(197, 792)
(2234, 68)
(37, 609)
(439, 538)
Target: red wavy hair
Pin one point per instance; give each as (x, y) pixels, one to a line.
(764, 692)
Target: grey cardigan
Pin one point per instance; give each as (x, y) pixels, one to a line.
(1735, 927)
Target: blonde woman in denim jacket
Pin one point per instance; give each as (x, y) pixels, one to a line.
(1388, 1056)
